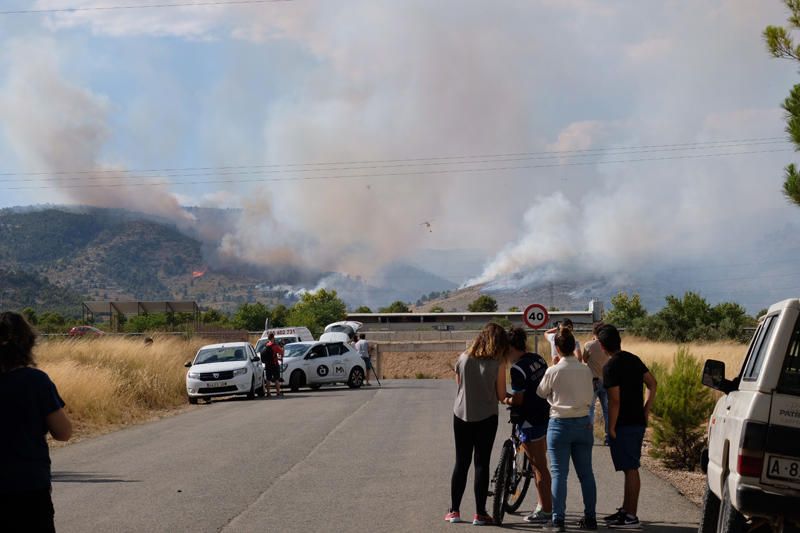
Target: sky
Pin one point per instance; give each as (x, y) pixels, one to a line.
(546, 136)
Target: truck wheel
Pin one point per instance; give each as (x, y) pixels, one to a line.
(730, 520)
(296, 380)
(710, 513)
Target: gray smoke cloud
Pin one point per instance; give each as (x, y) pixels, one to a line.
(415, 79)
(59, 129)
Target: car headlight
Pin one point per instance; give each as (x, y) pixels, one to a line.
(194, 375)
(240, 371)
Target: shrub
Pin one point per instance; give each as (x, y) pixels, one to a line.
(680, 412)
(483, 304)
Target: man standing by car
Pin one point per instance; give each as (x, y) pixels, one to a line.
(624, 376)
(272, 357)
(362, 347)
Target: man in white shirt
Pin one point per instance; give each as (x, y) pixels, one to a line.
(550, 335)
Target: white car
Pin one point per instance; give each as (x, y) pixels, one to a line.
(341, 331)
(284, 336)
(226, 369)
(314, 364)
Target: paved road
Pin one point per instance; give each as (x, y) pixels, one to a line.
(331, 460)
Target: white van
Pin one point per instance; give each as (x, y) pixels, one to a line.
(284, 336)
(340, 331)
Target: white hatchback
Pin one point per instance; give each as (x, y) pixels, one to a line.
(224, 370)
(314, 364)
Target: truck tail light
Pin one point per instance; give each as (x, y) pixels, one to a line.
(750, 461)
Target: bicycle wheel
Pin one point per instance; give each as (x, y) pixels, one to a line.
(502, 478)
(520, 481)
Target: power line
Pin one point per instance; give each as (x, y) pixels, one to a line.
(217, 3)
(123, 175)
(588, 152)
(390, 174)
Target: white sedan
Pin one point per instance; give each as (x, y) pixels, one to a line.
(314, 364)
(224, 370)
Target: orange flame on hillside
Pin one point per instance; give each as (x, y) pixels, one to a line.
(199, 273)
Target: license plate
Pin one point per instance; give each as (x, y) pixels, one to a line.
(217, 384)
(783, 468)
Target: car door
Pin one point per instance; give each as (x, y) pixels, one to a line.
(337, 352)
(318, 365)
(256, 366)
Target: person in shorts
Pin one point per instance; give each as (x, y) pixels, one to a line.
(362, 347)
(30, 407)
(624, 377)
(272, 357)
(532, 415)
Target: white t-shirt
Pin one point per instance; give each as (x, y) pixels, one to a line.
(363, 348)
(567, 387)
(551, 338)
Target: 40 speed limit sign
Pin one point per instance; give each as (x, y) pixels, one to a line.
(535, 316)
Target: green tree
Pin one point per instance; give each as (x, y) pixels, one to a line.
(212, 316)
(363, 309)
(781, 45)
(30, 315)
(250, 317)
(142, 323)
(315, 310)
(688, 318)
(483, 304)
(731, 319)
(437, 309)
(514, 309)
(625, 310)
(279, 316)
(395, 307)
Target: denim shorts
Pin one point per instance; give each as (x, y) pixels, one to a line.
(626, 449)
(531, 433)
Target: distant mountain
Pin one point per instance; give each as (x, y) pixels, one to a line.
(99, 254)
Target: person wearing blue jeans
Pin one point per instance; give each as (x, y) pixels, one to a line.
(567, 386)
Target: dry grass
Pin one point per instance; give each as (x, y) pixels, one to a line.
(111, 382)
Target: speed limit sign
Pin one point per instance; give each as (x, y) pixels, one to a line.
(535, 316)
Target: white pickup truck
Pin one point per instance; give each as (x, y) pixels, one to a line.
(753, 457)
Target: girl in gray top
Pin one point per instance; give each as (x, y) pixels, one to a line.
(481, 379)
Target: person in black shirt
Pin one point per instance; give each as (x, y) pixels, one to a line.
(533, 415)
(624, 376)
(30, 407)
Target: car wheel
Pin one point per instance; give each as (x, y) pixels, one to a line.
(730, 520)
(262, 390)
(710, 513)
(315, 386)
(296, 380)
(192, 401)
(356, 378)
(252, 393)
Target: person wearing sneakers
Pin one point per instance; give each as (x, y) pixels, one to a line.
(624, 377)
(481, 380)
(533, 414)
(567, 386)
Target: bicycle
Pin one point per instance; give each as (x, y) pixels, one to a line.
(512, 477)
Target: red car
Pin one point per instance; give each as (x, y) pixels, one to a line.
(80, 331)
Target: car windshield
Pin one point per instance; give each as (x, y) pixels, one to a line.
(294, 350)
(260, 344)
(220, 355)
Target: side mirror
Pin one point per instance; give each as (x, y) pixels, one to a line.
(714, 376)
(255, 359)
(188, 364)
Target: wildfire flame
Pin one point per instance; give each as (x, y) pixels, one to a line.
(199, 273)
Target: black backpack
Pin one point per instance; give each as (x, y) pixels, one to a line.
(267, 355)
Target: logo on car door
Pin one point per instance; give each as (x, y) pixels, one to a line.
(322, 371)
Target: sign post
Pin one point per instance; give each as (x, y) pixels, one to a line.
(535, 316)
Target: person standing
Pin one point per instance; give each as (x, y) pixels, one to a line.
(272, 357)
(30, 407)
(596, 358)
(362, 347)
(567, 386)
(533, 413)
(551, 333)
(481, 380)
(624, 377)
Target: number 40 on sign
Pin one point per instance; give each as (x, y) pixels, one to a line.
(535, 316)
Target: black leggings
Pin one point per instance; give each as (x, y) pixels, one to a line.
(480, 437)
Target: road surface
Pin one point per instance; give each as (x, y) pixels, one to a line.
(329, 460)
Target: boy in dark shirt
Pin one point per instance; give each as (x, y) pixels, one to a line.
(532, 414)
(624, 376)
